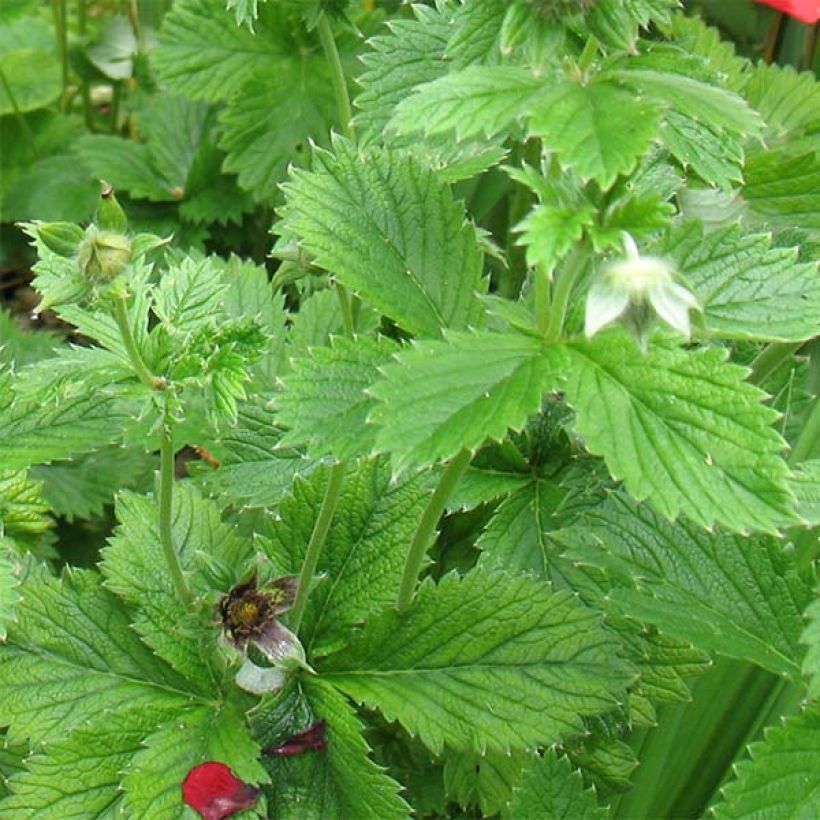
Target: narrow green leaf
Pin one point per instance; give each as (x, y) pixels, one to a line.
(325, 400)
(468, 388)
(420, 264)
(598, 130)
(74, 638)
(781, 777)
(363, 555)
(479, 100)
(741, 597)
(487, 661)
(551, 788)
(748, 289)
(683, 429)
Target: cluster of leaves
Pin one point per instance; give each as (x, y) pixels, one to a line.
(615, 515)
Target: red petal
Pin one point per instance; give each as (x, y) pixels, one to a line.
(312, 738)
(807, 11)
(215, 792)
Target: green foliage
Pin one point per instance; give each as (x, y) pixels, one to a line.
(9, 583)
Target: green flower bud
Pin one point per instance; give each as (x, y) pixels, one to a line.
(62, 238)
(110, 215)
(103, 255)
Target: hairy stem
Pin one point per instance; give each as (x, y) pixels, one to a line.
(566, 280)
(770, 358)
(337, 76)
(317, 540)
(24, 126)
(145, 375)
(426, 530)
(166, 492)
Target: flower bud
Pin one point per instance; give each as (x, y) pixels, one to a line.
(62, 238)
(110, 215)
(103, 255)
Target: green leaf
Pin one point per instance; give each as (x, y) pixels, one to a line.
(362, 559)
(598, 130)
(811, 638)
(468, 388)
(254, 470)
(10, 568)
(549, 231)
(419, 264)
(74, 638)
(486, 780)
(741, 597)
(483, 662)
(94, 755)
(135, 568)
(477, 101)
(748, 289)
(23, 510)
(805, 484)
(551, 788)
(781, 777)
(204, 55)
(325, 400)
(189, 296)
(33, 77)
(784, 190)
(19, 347)
(153, 779)
(340, 781)
(268, 124)
(683, 429)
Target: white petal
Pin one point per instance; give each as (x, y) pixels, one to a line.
(604, 305)
(258, 679)
(672, 307)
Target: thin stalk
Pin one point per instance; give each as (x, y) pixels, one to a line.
(61, 29)
(770, 358)
(86, 91)
(567, 277)
(166, 492)
(426, 530)
(145, 375)
(317, 540)
(115, 106)
(337, 76)
(136, 23)
(543, 293)
(24, 126)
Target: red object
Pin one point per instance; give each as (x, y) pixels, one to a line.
(312, 738)
(215, 792)
(806, 11)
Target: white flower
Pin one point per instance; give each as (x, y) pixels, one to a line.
(635, 282)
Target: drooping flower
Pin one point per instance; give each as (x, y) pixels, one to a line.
(627, 287)
(250, 621)
(214, 791)
(806, 11)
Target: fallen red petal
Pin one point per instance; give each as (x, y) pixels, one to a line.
(807, 11)
(312, 738)
(215, 792)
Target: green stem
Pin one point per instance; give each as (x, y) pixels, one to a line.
(61, 29)
(337, 76)
(317, 540)
(426, 530)
(543, 293)
(770, 358)
(123, 323)
(166, 491)
(86, 91)
(24, 126)
(116, 96)
(567, 277)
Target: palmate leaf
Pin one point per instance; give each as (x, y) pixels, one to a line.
(468, 388)
(487, 661)
(74, 638)
(747, 289)
(551, 788)
(95, 756)
(339, 781)
(360, 565)
(781, 777)
(479, 100)
(598, 130)
(682, 429)
(152, 780)
(738, 596)
(189, 296)
(418, 262)
(325, 402)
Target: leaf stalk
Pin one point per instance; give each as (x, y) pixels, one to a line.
(337, 76)
(566, 280)
(137, 362)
